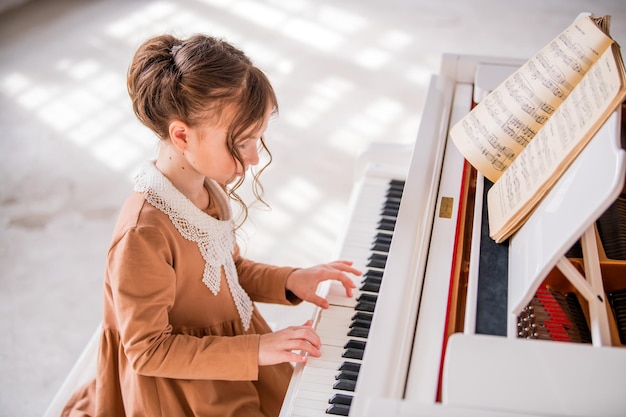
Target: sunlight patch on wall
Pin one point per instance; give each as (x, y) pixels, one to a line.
(313, 243)
(80, 70)
(14, 83)
(84, 107)
(35, 95)
(395, 40)
(222, 4)
(341, 20)
(372, 58)
(116, 152)
(298, 194)
(330, 217)
(67, 109)
(312, 34)
(322, 98)
(419, 75)
(377, 122)
(265, 57)
(136, 22)
(259, 13)
(385, 110)
(346, 140)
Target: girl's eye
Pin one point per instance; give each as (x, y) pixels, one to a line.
(247, 143)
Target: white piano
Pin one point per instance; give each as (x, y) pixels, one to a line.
(449, 323)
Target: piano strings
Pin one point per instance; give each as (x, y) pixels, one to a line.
(554, 315)
(617, 301)
(612, 230)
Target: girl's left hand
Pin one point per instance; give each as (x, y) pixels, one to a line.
(303, 282)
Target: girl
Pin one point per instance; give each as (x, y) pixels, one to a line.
(180, 334)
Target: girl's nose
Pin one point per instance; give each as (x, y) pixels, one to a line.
(251, 156)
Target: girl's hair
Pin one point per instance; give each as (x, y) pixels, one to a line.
(192, 81)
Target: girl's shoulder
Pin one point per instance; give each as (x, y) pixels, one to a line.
(136, 212)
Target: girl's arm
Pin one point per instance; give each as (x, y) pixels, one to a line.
(143, 290)
(264, 283)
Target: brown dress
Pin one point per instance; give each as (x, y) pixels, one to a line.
(169, 346)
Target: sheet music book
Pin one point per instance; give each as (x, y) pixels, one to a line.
(526, 132)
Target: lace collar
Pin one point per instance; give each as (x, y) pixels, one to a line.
(215, 238)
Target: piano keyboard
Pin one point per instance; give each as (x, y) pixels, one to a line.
(327, 384)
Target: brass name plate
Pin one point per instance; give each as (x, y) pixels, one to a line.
(445, 208)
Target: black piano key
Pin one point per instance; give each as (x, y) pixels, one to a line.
(392, 198)
(379, 256)
(351, 375)
(360, 315)
(365, 306)
(370, 280)
(363, 324)
(359, 332)
(386, 224)
(381, 242)
(391, 204)
(372, 298)
(397, 184)
(390, 212)
(383, 237)
(369, 286)
(377, 260)
(345, 385)
(350, 366)
(394, 193)
(356, 344)
(338, 409)
(381, 247)
(352, 353)
(376, 263)
(341, 399)
(373, 273)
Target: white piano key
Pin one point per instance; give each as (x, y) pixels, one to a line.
(322, 387)
(319, 376)
(336, 319)
(317, 384)
(330, 355)
(318, 404)
(307, 412)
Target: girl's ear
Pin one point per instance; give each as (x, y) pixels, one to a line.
(178, 134)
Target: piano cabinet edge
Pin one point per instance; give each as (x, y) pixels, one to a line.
(533, 376)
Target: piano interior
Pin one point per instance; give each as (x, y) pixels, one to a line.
(557, 311)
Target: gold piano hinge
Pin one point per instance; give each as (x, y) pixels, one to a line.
(445, 208)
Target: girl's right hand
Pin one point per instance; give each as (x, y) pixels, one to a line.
(280, 346)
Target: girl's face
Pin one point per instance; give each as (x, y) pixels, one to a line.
(208, 152)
